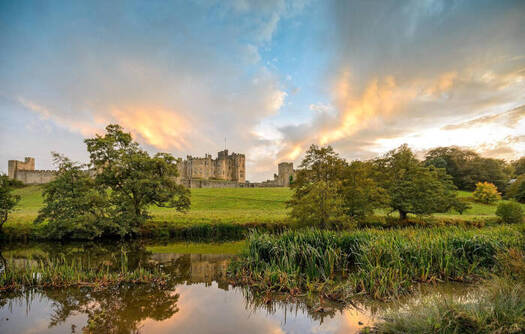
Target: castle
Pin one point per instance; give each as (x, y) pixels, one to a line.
(225, 167)
(226, 171)
(25, 172)
(283, 178)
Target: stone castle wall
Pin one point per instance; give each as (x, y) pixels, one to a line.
(285, 173)
(227, 167)
(25, 172)
(227, 171)
(35, 176)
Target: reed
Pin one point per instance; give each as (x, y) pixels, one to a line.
(380, 263)
(60, 273)
(498, 306)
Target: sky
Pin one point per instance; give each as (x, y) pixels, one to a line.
(265, 78)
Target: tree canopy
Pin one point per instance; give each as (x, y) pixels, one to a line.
(413, 187)
(467, 168)
(7, 199)
(111, 194)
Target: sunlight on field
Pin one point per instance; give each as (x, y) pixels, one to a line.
(231, 205)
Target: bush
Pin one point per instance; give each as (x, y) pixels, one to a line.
(510, 212)
(486, 192)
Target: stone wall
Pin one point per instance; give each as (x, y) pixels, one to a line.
(227, 167)
(285, 171)
(201, 183)
(25, 172)
(14, 165)
(35, 176)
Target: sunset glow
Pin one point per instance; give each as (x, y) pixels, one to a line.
(265, 76)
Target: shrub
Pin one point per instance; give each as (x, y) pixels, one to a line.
(486, 192)
(510, 212)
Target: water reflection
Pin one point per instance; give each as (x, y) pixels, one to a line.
(198, 300)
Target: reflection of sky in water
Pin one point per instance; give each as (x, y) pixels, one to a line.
(205, 302)
(202, 309)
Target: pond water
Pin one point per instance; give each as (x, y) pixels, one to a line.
(200, 300)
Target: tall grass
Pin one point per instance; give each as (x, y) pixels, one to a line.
(497, 307)
(60, 273)
(381, 263)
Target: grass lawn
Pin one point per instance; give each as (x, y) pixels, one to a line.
(208, 205)
(227, 205)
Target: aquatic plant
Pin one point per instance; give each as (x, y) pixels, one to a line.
(380, 263)
(60, 273)
(498, 306)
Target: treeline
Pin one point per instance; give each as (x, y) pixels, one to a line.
(468, 168)
(329, 191)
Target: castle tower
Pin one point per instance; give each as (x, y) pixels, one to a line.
(14, 165)
(285, 170)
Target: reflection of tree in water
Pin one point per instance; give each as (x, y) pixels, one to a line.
(115, 310)
(3, 262)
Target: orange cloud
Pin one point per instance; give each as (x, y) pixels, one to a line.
(158, 127)
(381, 97)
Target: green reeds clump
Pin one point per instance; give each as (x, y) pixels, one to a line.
(60, 273)
(498, 306)
(381, 263)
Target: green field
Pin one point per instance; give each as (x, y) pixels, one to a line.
(213, 206)
(230, 205)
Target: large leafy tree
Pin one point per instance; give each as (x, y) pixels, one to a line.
(467, 168)
(361, 193)
(73, 206)
(317, 187)
(135, 179)
(412, 187)
(7, 199)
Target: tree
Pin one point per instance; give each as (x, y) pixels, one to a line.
(73, 206)
(517, 189)
(519, 166)
(7, 199)
(361, 193)
(486, 193)
(467, 167)
(135, 179)
(317, 196)
(412, 187)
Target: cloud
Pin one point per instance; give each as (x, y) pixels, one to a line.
(510, 118)
(162, 73)
(372, 75)
(413, 74)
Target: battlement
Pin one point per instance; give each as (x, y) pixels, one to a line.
(25, 172)
(285, 174)
(227, 167)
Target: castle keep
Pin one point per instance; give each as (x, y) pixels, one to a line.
(225, 167)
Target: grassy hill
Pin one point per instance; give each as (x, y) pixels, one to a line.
(234, 205)
(212, 206)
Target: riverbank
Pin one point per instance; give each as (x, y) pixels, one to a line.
(383, 264)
